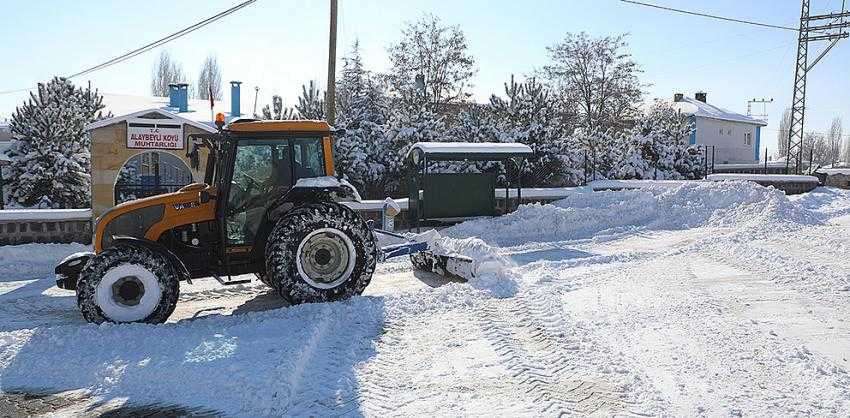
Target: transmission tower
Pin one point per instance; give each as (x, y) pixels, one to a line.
(826, 27)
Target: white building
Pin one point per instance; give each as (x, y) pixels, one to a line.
(735, 137)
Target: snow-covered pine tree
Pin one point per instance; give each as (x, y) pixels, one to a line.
(658, 148)
(405, 127)
(529, 115)
(362, 154)
(50, 149)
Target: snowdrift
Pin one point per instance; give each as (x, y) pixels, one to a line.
(689, 205)
(30, 261)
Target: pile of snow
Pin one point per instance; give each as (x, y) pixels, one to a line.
(33, 260)
(827, 200)
(683, 206)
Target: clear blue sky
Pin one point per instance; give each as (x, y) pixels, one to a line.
(280, 44)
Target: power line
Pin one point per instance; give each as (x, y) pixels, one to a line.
(152, 45)
(711, 16)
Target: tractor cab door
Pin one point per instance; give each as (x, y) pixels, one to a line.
(262, 171)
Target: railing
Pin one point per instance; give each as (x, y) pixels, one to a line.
(128, 192)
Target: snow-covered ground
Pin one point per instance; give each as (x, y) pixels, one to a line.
(710, 299)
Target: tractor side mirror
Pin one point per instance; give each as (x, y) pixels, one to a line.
(204, 196)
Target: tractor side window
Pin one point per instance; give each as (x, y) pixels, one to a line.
(309, 157)
(260, 172)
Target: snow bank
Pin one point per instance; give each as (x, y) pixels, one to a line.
(664, 206)
(33, 260)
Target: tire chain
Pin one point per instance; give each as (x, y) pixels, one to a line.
(20, 404)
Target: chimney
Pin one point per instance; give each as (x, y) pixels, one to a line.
(701, 96)
(183, 97)
(173, 95)
(235, 104)
(678, 97)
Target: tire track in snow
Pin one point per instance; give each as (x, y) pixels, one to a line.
(382, 389)
(533, 342)
(320, 380)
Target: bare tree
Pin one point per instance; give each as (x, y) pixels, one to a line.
(598, 77)
(816, 146)
(165, 71)
(782, 134)
(210, 79)
(431, 65)
(833, 139)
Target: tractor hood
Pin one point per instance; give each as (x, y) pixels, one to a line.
(149, 217)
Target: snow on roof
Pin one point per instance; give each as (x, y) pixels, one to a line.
(695, 107)
(123, 106)
(494, 148)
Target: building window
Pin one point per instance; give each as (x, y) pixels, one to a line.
(729, 131)
(721, 131)
(748, 138)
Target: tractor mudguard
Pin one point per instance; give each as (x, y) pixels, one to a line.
(68, 270)
(155, 246)
(313, 189)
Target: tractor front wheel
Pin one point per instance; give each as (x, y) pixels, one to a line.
(320, 252)
(128, 283)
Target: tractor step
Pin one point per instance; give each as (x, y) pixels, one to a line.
(230, 282)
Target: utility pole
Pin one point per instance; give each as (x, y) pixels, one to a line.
(827, 27)
(330, 100)
(256, 93)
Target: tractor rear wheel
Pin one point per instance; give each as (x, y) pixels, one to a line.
(128, 283)
(320, 252)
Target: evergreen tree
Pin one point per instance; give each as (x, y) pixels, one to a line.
(530, 116)
(658, 148)
(50, 149)
(277, 111)
(311, 104)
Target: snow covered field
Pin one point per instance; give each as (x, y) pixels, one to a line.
(709, 299)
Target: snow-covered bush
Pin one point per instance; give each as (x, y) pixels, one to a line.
(50, 148)
(660, 139)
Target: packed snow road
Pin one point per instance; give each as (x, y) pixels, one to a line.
(698, 299)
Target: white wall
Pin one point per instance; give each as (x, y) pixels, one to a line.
(729, 139)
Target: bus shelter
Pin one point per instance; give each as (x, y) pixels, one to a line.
(438, 197)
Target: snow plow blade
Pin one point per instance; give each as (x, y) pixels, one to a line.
(450, 266)
(425, 256)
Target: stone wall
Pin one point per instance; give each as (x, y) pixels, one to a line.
(13, 232)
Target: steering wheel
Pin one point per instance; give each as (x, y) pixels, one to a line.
(252, 183)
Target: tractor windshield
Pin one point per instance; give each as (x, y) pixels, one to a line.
(263, 171)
